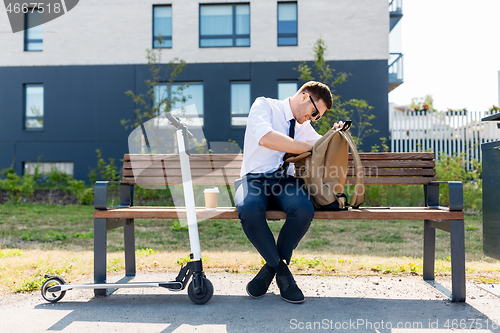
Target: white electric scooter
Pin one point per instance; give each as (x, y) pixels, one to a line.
(200, 290)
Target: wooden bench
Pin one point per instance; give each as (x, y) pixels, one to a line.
(223, 169)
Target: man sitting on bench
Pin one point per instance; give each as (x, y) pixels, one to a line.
(275, 128)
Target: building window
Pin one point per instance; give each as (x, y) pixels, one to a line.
(33, 101)
(224, 25)
(162, 26)
(287, 24)
(188, 100)
(286, 89)
(47, 167)
(240, 103)
(33, 30)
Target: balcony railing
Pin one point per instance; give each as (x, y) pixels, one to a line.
(396, 12)
(396, 67)
(395, 6)
(395, 70)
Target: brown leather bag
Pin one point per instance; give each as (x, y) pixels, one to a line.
(324, 169)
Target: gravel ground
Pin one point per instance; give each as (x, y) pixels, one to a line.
(362, 304)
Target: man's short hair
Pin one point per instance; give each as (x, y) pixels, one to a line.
(318, 90)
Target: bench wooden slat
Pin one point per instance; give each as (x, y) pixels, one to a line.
(177, 172)
(381, 164)
(372, 172)
(192, 157)
(369, 172)
(372, 213)
(239, 157)
(395, 156)
(395, 164)
(177, 165)
(230, 179)
(220, 169)
(210, 165)
(393, 180)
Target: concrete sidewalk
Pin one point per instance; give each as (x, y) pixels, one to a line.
(364, 304)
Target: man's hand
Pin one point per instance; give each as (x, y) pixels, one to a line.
(278, 141)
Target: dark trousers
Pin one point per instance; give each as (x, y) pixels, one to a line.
(261, 192)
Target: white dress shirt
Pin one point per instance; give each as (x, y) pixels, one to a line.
(268, 115)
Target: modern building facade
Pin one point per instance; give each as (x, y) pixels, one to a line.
(63, 84)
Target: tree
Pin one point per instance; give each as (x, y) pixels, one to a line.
(356, 110)
(152, 104)
(423, 103)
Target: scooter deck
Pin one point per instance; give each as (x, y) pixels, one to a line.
(172, 285)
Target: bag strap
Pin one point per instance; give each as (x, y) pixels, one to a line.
(359, 189)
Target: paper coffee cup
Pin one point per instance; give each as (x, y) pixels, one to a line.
(211, 197)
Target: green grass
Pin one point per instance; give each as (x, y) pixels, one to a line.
(382, 237)
(40, 239)
(52, 227)
(10, 253)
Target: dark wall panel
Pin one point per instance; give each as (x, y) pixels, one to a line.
(83, 105)
(368, 80)
(7, 153)
(82, 153)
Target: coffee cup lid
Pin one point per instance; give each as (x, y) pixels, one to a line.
(211, 190)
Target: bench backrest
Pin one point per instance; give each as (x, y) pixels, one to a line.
(222, 169)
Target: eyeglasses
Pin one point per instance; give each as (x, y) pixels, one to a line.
(316, 112)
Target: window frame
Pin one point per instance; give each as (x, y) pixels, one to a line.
(27, 165)
(154, 38)
(296, 82)
(237, 115)
(26, 40)
(234, 36)
(169, 85)
(285, 35)
(25, 106)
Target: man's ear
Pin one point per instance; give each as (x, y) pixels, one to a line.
(304, 96)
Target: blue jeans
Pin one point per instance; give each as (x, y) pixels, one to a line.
(261, 192)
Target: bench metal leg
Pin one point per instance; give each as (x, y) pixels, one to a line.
(457, 239)
(100, 259)
(429, 250)
(129, 240)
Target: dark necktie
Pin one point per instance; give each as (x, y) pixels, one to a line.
(291, 133)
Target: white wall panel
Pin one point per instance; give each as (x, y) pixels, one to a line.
(120, 31)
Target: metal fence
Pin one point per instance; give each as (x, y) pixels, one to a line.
(448, 132)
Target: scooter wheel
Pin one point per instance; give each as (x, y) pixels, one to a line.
(205, 296)
(53, 296)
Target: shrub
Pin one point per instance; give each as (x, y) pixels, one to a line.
(393, 195)
(104, 171)
(31, 284)
(107, 171)
(17, 186)
(87, 197)
(84, 195)
(453, 168)
(59, 179)
(448, 168)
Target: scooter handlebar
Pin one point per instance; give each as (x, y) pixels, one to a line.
(177, 124)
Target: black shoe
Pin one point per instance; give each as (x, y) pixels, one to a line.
(260, 283)
(289, 290)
